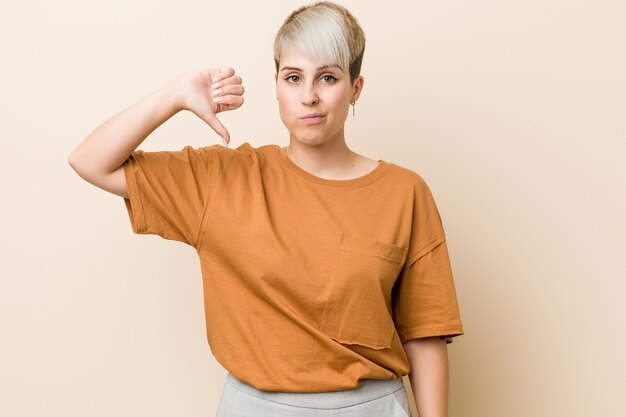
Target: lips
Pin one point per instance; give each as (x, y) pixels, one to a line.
(311, 115)
(312, 120)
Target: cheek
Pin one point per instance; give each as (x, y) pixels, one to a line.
(285, 110)
(285, 101)
(337, 99)
(282, 102)
(337, 104)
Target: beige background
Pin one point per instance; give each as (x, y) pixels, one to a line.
(512, 111)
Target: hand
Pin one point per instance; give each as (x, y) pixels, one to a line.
(197, 88)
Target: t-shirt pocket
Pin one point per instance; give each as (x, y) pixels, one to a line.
(358, 305)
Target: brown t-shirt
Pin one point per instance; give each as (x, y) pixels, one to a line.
(310, 284)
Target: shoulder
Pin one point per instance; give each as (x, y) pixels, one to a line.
(225, 151)
(245, 159)
(407, 177)
(242, 153)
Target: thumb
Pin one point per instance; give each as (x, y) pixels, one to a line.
(216, 125)
(223, 72)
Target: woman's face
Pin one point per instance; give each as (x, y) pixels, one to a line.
(304, 88)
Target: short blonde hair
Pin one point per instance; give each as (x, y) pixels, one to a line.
(324, 31)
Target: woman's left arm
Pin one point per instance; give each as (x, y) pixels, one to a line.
(428, 358)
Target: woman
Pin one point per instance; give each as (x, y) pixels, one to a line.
(326, 274)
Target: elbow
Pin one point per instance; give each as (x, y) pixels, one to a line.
(80, 168)
(73, 156)
(73, 162)
(70, 160)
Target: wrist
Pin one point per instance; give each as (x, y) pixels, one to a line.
(170, 93)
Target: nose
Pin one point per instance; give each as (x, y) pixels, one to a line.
(308, 95)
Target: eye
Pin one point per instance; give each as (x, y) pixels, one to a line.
(291, 76)
(333, 79)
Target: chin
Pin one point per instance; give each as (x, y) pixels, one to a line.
(308, 142)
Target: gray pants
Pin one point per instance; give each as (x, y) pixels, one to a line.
(375, 398)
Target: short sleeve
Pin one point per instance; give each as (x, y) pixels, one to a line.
(424, 295)
(424, 300)
(169, 191)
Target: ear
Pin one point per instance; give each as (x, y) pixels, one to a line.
(358, 87)
(276, 77)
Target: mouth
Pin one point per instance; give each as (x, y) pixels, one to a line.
(312, 116)
(312, 119)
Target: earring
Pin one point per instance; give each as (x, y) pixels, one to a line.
(353, 102)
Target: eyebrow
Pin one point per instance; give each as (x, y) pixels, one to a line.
(319, 69)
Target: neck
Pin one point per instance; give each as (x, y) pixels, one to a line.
(332, 157)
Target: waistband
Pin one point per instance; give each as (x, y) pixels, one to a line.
(370, 389)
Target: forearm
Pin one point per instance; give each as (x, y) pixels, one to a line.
(428, 358)
(110, 144)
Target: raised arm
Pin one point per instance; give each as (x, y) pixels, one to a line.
(100, 157)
